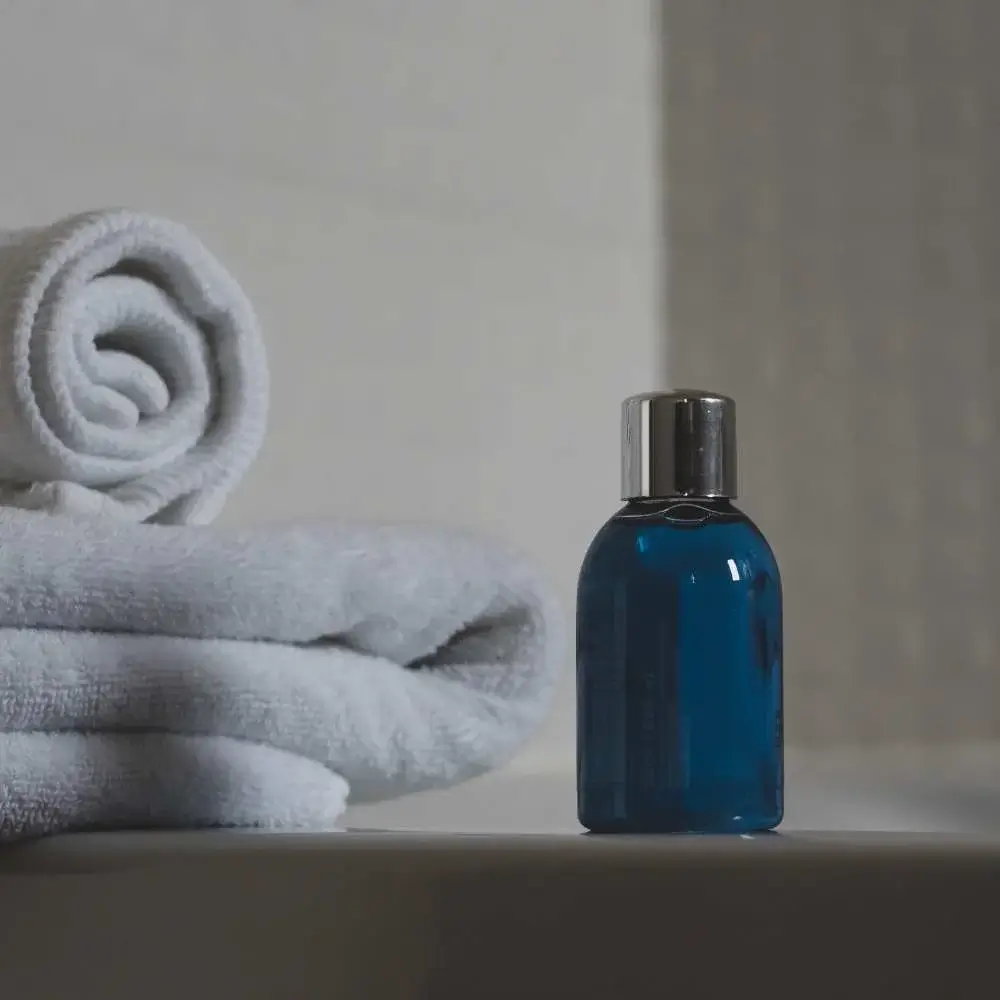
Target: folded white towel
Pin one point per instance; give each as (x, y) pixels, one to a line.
(133, 379)
(396, 658)
(52, 782)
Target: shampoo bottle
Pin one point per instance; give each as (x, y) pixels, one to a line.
(679, 637)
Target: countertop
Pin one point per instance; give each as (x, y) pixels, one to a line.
(892, 898)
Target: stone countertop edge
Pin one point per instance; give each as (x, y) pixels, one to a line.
(123, 851)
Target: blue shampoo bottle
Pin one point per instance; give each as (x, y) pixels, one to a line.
(679, 637)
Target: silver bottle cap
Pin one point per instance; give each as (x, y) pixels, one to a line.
(679, 444)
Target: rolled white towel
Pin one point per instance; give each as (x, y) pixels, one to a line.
(133, 378)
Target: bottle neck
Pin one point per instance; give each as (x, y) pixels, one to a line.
(681, 510)
(720, 502)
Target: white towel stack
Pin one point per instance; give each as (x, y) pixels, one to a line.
(170, 674)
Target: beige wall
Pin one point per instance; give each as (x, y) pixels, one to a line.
(834, 233)
(445, 212)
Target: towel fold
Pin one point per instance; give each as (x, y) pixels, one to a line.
(52, 782)
(393, 657)
(133, 379)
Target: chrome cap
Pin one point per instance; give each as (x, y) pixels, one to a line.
(679, 444)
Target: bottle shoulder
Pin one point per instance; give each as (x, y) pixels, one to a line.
(678, 534)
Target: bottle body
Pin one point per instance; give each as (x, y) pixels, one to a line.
(679, 672)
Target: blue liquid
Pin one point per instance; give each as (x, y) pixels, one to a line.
(679, 697)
